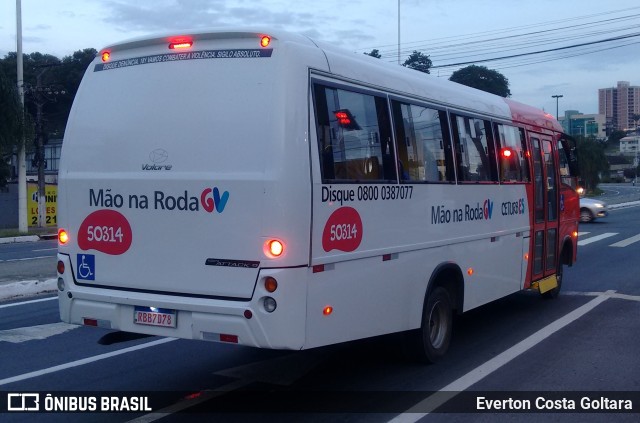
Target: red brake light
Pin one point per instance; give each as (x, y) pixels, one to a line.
(265, 41)
(273, 248)
(176, 46)
(343, 118)
(276, 248)
(506, 153)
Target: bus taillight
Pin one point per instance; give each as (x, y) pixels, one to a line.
(274, 248)
(63, 236)
(270, 284)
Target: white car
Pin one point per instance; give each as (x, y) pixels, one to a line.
(591, 209)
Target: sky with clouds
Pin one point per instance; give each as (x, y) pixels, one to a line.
(606, 35)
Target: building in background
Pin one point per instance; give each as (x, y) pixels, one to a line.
(619, 105)
(629, 145)
(576, 124)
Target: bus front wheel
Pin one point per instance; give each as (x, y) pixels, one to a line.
(430, 343)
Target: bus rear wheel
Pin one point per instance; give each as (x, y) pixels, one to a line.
(430, 343)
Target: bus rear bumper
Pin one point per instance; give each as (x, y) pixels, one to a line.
(218, 320)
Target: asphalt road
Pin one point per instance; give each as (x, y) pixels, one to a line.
(586, 341)
(28, 261)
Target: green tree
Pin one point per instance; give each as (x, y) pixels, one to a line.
(615, 137)
(66, 75)
(636, 119)
(482, 78)
(374, 53)
(418, 61)
(591, 160)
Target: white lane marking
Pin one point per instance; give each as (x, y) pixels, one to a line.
(84, 361)
(583, 233)
(46, 249)
(613, 295)
(432, 402)
(32, 333)
(626, 242)
(28, 302)
(597, 238)
(26, 259)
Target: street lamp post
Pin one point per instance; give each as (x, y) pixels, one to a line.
(557, 96)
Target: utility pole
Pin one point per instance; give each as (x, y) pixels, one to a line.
(42, 95)
(22, 160)
(556, 96)
(398, 31)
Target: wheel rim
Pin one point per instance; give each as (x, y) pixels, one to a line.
(437, 324)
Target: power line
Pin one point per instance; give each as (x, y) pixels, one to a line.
(465, 47)
(504, 30)
(537, 52)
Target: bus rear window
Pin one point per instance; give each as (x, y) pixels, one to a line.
(354, 136)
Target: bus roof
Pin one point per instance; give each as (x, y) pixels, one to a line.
(363, 68)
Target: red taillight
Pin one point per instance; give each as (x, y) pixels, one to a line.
(327, 310)
(63, 236)
(229, 338)
(343, 118)
(506, 153)
(274, 248)
(265, 41)
(89, 322)
(60, 267)
(106, 56)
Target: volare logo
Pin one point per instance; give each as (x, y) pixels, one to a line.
(212, 200)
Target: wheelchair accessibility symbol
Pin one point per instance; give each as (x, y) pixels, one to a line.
(86, 267)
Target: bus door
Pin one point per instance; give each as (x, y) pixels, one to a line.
(546, 211)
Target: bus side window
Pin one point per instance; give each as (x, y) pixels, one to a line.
(567, 168)
(476, 159)
(354, 136)
(424, 153)
(512, 154)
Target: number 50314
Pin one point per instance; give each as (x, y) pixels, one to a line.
(343, 231)
(104, 234)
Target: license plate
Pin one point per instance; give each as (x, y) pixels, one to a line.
(153, 316)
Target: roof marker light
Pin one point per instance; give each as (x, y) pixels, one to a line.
(265, 41)
(106, 56)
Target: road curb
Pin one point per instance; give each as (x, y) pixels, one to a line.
(26, 238)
